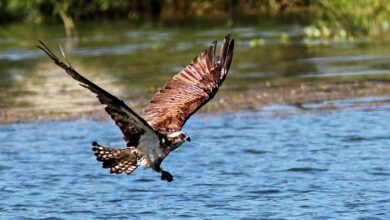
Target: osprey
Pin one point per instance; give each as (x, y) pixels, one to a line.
(151, 138)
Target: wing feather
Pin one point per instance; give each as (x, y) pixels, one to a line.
(131, 124)
(190, 89)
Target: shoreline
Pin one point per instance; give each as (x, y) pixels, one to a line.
(296, 95)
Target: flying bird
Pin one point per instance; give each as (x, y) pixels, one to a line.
(152, 137)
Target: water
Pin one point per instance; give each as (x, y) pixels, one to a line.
(280, 161)
(249, 165)
(134, 61)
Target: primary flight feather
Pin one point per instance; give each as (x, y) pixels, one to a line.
(149, 139)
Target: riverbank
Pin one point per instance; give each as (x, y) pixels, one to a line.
(298, 96)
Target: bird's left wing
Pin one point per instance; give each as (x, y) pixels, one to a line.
(132, 125)
(190, 89)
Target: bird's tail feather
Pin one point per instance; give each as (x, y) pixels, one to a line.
(118, 160)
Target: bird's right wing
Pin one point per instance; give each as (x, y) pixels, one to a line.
(129, 122)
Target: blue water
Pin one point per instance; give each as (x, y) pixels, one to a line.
(248, 165)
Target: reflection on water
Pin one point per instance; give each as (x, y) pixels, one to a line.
(134, 62)
(240, 165)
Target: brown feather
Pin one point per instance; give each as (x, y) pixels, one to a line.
(131, 124)
(190, 89)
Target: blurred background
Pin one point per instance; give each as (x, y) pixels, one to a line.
(299, 129)
(287, 52)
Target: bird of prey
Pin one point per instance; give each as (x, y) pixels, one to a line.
(152, 137)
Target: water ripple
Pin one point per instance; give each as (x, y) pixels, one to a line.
(265, 191)
(253, 151)
(293, 167)
(306, 169)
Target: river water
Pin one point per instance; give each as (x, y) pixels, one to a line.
(134, 61)
(249, 165)
(277, 162)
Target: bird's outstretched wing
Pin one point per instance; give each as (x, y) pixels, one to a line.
(190, 89)
(131, 124)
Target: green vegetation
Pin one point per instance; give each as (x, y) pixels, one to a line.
(346, 19)
(39, 11)
(336, 19)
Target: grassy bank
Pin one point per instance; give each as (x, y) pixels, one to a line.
(39, 11)
(344, 19)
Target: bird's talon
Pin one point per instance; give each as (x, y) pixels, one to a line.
(166, 176)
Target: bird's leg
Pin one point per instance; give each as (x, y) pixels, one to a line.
(164, 174)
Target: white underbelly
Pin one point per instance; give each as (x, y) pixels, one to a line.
(149, 146)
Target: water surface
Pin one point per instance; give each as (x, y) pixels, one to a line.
(133, 61)
(277, 162)
(249, 165)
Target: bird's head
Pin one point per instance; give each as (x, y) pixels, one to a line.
(178, 137)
